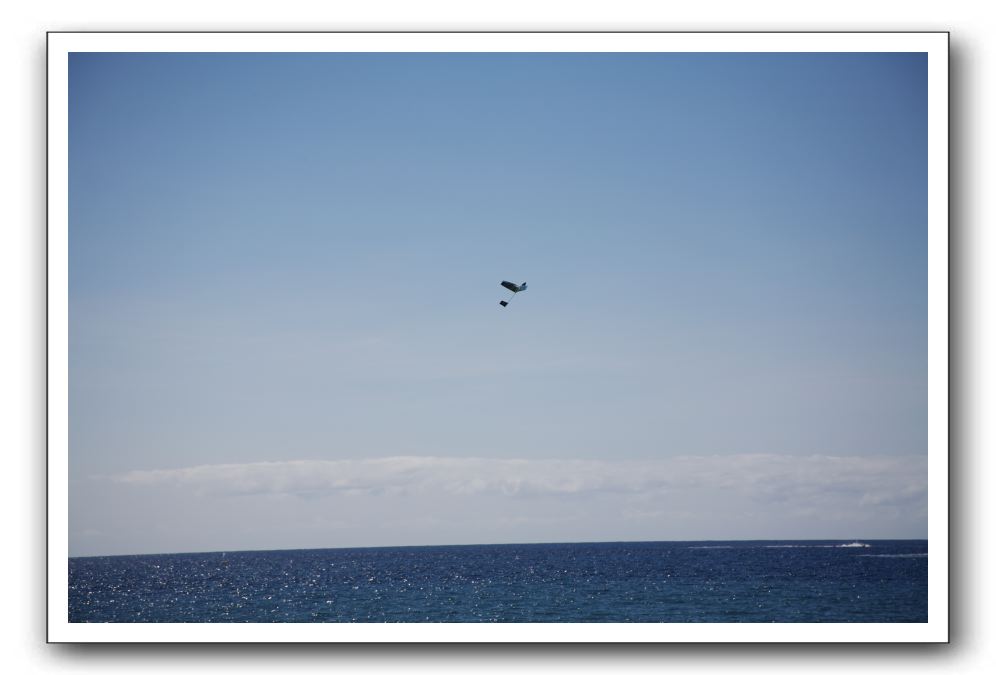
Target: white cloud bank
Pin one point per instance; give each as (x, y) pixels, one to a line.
(446, 500)
(871, 480)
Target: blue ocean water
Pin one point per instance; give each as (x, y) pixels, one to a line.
(742, 581)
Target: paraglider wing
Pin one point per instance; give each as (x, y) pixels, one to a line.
(515, 288)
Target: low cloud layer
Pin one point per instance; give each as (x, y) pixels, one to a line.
(869, 480)
(445, 500)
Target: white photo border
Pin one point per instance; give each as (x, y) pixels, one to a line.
(61, 44)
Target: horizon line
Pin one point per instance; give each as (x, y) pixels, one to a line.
(859, 540)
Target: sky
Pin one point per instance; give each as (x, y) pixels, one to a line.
(284, 281)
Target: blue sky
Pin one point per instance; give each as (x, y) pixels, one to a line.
(289, 264)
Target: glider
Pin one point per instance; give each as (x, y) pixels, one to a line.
(515, 288)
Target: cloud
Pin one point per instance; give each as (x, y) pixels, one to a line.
(395, 501)
(801, 480)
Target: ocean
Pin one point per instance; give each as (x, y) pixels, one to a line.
(709, 581)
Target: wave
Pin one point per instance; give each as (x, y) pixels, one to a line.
(893, 555)
(853, 544)
(787, 546)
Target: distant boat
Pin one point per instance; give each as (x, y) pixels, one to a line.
(855, 544)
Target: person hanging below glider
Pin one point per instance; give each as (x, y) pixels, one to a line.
(515, 288)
